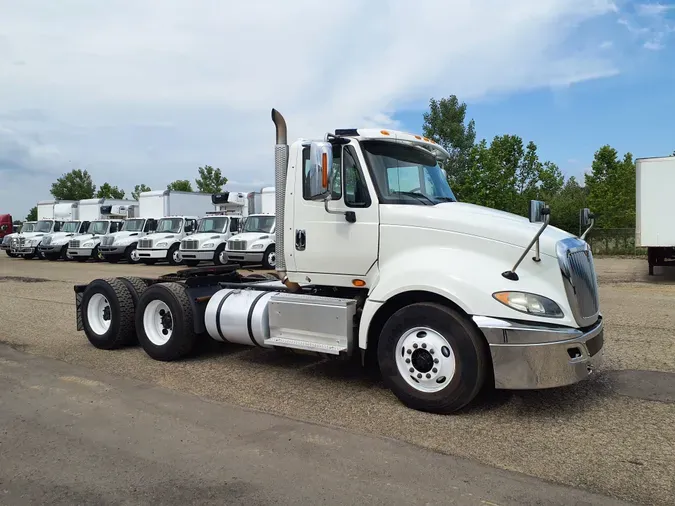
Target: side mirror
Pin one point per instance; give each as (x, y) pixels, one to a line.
(537, 211)
(586, 219)
(320, 168)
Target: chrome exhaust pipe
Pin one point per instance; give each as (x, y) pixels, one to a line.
(280, 168)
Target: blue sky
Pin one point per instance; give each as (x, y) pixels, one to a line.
(146, 91)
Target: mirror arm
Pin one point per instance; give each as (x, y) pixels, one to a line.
(512, 273)
(350, 216)
(583, 236)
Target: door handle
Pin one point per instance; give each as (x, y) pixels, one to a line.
(300, 240)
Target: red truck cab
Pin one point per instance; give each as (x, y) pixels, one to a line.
(5, 225)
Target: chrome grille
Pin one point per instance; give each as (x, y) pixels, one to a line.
(236, 245)
(74, 243)
(19, 242)
(107, 240)
(145, 243)
(581, 283)
(47, 240)
(190, 244)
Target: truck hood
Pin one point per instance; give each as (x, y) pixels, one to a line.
(57, 236)
(124, 234)
(86, 237)
(32, 235)
(163, 236)
(471, 219)
(252, 236)
(205, 237)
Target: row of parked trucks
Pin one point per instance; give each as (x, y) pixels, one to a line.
(175, 227)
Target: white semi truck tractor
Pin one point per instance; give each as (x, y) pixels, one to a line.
(376, 257)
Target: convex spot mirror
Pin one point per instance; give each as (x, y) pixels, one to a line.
(320, 168)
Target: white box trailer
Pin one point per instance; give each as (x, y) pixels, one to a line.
(654, 229)
(261, 202)
(161, 203)
(99, 209)
(66, 211)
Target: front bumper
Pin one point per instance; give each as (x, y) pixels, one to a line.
(112, 250)
(52, 249)
(80, 252)
(245, 256)
(25, 250)
(197, 255)
(152, 253)
(6, 246)
(527, 356)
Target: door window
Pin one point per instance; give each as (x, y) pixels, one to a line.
(356, 191)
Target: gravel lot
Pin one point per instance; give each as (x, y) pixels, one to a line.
(614, 434)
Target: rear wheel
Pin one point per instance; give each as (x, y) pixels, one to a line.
(164, 322)
(108, 314)
(432, 358)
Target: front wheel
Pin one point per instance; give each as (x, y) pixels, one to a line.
(432, 358)
(10, 254)
(220, 256)
(269, 261)
(173, 256)
(131, 254)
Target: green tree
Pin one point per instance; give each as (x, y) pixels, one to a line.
(180, 185)
(75, 185)
(32, 214)
(444, 123)
(109, 192)
(565, 206)
(210, 180)
(611, 188)
(138, 189)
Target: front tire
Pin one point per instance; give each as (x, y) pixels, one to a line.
(269, 261)
(164, 322)
(173, 255)
(220, 257)
(432, 358)
(131, 254)
(108, 314)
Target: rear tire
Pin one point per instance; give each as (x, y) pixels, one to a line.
(164, 322)
(432, 358)
(108, 314)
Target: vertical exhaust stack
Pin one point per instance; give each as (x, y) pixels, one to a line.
(280, 168)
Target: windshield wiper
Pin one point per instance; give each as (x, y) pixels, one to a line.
(417, 195)
(445, 199)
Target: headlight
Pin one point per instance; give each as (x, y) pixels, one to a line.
(207, 245)
(89, 244)
(161, 244)
(257, 246)
(529, 303)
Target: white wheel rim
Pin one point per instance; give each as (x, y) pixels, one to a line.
(425, 359)
(158, 322)
(272, 258)
(98, 314)
(134, 255)
(222, 257)
(177, 256)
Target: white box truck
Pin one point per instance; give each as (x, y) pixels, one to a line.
(444, 297)
(654, 229)
(162, 203)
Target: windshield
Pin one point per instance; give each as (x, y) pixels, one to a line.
(70, 226)
(213, 225)
(43, 226)
(27, 227)
(133, 225)
(98, 227)
(172, 225)
(406, 174)
(263, 224)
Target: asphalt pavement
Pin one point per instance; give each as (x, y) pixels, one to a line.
(70, 435)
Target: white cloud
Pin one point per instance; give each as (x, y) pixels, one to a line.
(146, 91)
(653, 9)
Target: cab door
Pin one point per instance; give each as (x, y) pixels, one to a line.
(326, 242)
